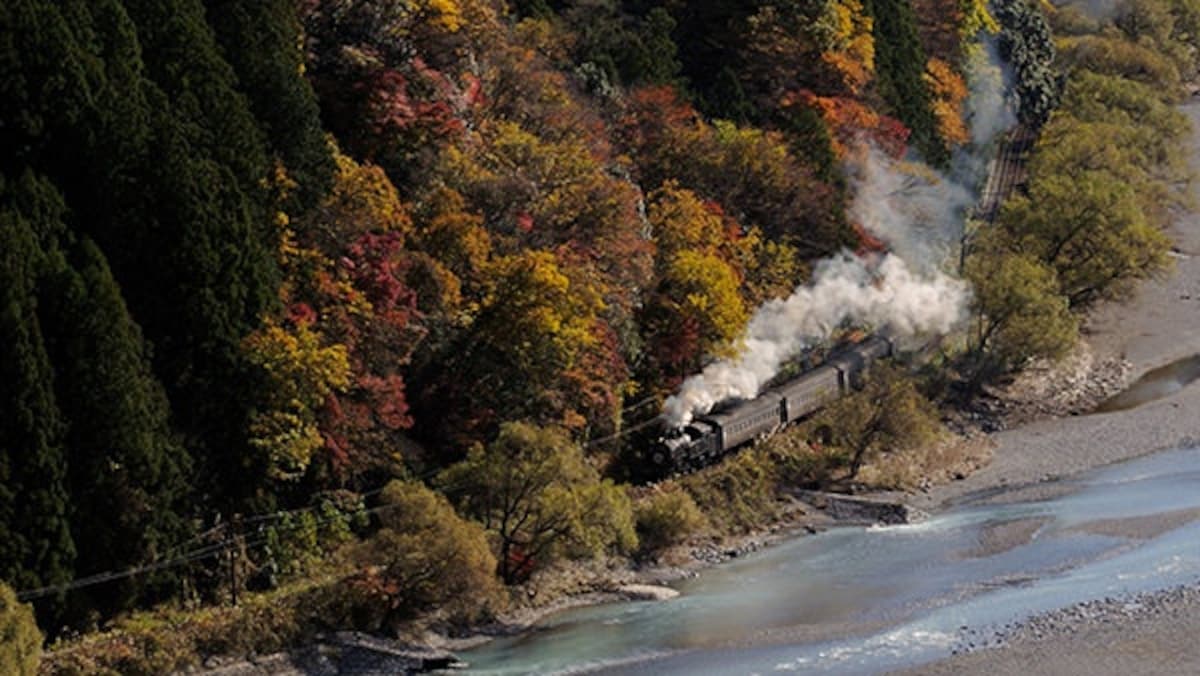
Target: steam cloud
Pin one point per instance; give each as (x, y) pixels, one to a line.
(989, 110)
(919, 214)
(842, 290)
(913, 210)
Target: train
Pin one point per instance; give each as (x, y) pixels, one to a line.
(709, 437)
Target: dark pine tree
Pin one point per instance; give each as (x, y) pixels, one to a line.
(127, 472)
(130, 108)
(261, 39)
(35, 539)
(711, 37)
(193, 245)
(1026, 44)
(900, 68)
(809, 137)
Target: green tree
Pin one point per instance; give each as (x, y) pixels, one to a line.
(128, 472)
(1019, 314)
(1115, 55)
(36, 548)
(1150, 163)
(1026, 43)
(1090, 230)
(1169, 26)
(426, 556)
(261, 40)
(887, 415)
(20, 640)
(533, 488)
(900, 65)
(1096, 97)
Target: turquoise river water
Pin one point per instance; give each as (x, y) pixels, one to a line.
(867, 600)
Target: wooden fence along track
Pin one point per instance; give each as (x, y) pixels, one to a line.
(1005, 172)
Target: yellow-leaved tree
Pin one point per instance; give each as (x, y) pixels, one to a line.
(536, 492)
(424, 557)
(20, 640)
(695, 308)
(299, 370)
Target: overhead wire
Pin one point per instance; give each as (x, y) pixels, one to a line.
(199, 554)
(213, 550)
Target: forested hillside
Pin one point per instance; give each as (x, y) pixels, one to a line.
(262, 257)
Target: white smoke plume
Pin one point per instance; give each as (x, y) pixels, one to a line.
(990, 109)
(919, 214)
(891, 297)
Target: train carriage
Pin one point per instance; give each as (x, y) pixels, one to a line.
(748, 420)
(710, 436)
(810, 392)
(854, 362)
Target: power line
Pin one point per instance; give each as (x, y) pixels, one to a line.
(200, 554)
(213, 550)
(650, 399)
(625, 432)
(109, 576)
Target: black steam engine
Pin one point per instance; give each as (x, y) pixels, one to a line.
(710, 436)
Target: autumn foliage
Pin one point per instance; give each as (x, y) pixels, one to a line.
(260, 253)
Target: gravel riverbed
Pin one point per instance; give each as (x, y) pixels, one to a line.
(1142, 634)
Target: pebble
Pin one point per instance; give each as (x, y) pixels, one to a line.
(1074, 619)
(714, 554)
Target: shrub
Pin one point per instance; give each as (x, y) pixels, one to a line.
(20, 640)
(667, 517)
(301, 541)
(738, 493)
(533, 488)
(169, 640)
(424, 557)
(889, 414)
(797, 462)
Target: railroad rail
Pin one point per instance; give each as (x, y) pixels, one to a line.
(1006, 171)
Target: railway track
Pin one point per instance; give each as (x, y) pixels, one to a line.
(1005, 172)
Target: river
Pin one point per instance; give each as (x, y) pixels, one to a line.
(867, 600)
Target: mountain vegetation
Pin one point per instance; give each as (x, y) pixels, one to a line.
(367, 296)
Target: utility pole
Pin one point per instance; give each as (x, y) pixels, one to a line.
(230, 541)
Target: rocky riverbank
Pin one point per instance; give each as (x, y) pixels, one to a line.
(1139, 634)
(1146, 634)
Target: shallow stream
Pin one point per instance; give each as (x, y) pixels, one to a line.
(865, 600)
(1161, 382)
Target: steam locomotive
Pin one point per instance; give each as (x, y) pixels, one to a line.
(711, 436)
